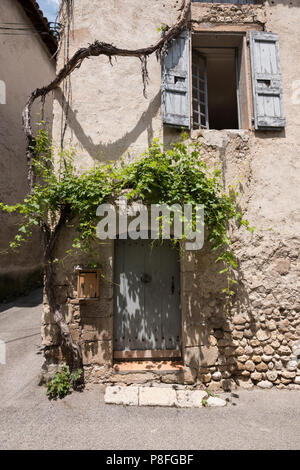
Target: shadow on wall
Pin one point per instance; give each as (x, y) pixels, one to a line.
(210, 336)
(270, 134)
(113, 150)
(13, 285)
(90, 322)
(34, 299)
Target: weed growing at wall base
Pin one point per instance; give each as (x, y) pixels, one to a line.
(62, 382)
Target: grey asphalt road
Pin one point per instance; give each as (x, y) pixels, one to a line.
(253, 420)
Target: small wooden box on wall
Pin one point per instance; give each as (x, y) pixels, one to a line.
(88, 283)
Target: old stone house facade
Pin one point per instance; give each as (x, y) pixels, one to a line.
(27, 46)
(232, 80)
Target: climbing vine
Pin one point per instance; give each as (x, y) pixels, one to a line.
(98, 48)
(162, 176)
(59, 196)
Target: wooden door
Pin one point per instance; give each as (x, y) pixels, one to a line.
(147, 313)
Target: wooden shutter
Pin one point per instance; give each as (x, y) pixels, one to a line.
(88, 285)
(266, 81)
(200, 98)
(176, 83)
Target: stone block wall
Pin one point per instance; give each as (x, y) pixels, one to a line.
(255, 340)
(218, 13)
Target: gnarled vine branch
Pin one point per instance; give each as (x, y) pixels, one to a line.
(96, 49)
(51, 234)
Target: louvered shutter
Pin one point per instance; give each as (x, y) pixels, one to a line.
(176, 108)
(266, 81)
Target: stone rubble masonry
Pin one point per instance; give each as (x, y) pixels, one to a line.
(228, 14)
(256, 341)
(27, 64)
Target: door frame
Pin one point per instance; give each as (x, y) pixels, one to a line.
(145, 355)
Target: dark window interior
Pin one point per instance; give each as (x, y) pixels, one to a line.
(221, 88)
(216, 75)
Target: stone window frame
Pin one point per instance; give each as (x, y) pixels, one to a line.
(246, 109)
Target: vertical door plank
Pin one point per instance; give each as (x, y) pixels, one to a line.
(147, 314)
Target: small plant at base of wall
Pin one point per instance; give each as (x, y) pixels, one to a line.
(62, 382)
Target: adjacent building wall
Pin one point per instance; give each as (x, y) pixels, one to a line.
(256, 339)
(25, 64)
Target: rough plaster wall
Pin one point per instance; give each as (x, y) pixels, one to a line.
(90, 322)
(110, 117)
(25, 65)
(258, 341)
(276, 157)
(258, 334)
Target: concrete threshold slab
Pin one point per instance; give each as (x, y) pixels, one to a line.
(160, 396)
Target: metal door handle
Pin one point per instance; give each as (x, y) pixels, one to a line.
(173, 285)
(146, 278)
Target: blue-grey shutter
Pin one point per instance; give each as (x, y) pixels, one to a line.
(176, 105)
(266, 81)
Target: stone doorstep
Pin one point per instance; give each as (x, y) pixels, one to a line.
(159, 396)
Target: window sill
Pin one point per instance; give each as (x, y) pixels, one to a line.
(219, 138)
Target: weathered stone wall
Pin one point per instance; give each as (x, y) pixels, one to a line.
(255, 341)
(228, 14)
(25, 65)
